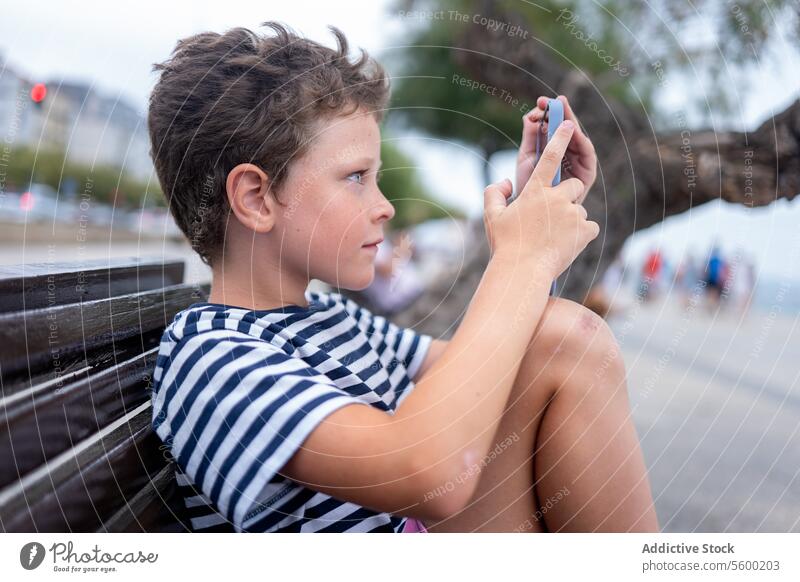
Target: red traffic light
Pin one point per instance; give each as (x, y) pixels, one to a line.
(38, 92)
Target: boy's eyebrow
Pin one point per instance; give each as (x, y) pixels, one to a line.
(367, 162)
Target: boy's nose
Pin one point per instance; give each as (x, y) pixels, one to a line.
(384, 210)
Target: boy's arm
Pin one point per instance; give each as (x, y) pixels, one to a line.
(435, 351)
(423, 461)
(399, 463)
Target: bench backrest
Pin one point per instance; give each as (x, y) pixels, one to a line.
(78, 345)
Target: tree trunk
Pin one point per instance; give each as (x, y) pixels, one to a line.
(643, 177)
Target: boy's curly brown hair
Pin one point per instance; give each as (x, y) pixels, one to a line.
(226, 99)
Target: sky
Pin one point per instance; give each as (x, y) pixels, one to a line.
(113, 46)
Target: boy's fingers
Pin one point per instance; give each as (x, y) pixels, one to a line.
(553, 153)
(573, 187)
(494, 196)
(529, 128)
(593, 228)
(569, 114)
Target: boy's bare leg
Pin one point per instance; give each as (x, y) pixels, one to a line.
(567, 455)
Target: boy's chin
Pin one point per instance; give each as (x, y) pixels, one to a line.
(357, 282)
(364, 283)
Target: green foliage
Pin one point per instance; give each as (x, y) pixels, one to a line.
(709, 44)
(103, 183)
(427, 94)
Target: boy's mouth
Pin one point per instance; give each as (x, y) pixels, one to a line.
(373, 244)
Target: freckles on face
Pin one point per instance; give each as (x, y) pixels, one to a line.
(331, 222)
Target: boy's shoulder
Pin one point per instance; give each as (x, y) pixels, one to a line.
(204, 316)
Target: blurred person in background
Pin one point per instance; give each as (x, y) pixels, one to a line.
(651, 270)
(687, 276)
(740, 283)
(715, 277)
(397, 282)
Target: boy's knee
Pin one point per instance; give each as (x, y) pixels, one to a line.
(578, 338)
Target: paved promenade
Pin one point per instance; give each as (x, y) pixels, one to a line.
(716, 401)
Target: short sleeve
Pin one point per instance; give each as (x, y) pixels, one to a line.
(404, 343)
(234, 410)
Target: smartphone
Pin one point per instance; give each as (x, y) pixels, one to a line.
(554, 114)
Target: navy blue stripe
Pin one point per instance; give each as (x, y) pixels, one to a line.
(361, 316)
(370, 330)
(232, 415)
(161, 360)
(322, 509)
(321, 326)
(412, 350)
(238, 351)
(262, 457)
(383, 346)
(294, 318)
(278, 514)
(191, 361)
(293, 527)
(215, 323)
(252, 431)
(341, 339)
(401, 388)
(317, 358)
(396, 345)
(348, 522)
(383, 387)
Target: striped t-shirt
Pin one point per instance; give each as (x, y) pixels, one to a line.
(237, 391)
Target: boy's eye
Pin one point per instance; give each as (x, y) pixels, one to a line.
(359, 176)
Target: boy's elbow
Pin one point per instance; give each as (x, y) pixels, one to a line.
(443, 490)
(447, 506)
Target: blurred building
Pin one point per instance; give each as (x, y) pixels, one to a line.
(92, 128)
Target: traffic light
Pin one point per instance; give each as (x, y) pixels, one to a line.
(38, 93)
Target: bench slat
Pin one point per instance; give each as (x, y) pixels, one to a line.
(156, 508)
(59, 336)
(39, 285)
(42, 422)
(77, 450)
(79, 490)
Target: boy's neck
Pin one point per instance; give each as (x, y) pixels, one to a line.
(268, 289)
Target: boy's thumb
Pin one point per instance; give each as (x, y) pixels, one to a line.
(495, 195)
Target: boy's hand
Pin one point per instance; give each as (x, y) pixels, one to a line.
(581, 159)
(544, 223)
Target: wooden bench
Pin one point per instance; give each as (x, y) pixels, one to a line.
(79, 344)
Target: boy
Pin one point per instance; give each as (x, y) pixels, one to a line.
(287, 410)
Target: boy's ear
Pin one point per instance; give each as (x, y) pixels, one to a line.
(249, 197)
